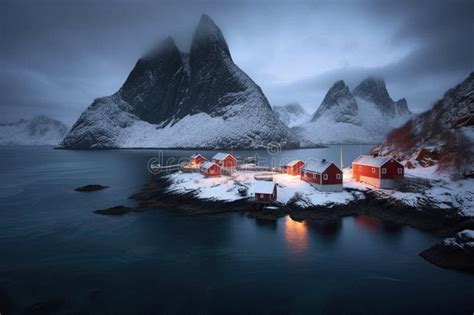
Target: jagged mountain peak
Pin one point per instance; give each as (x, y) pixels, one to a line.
(163, 47)
(148, 86)
(338, 89)
(177, 100)
(339, 103)
(373, 89)
(340, 84)
(208, 39)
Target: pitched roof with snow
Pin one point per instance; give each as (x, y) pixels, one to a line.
(263, 187)
(207, 165)
(195, 155)
(316, 166)
(293, 163)
(221, 156)
(370, 160)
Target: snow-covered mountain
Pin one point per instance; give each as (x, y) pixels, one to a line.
(442, 136)
(173, 99)
(364, 115)
(292, 114)
(41, 130)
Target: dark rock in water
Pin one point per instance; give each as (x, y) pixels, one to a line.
(91, 188)
(117, 210)
(267, 216)
(44, 308)
(453, 253)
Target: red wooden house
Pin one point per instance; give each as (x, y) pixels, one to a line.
(265, 191)
(378, 171)
(294, 167)
(324, 175)
(210, 169)
(225, 160)
(196, 160)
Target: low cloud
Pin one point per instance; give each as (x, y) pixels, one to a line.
(57, 57)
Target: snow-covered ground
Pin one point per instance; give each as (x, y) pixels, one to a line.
(444, 193)
(226, 188)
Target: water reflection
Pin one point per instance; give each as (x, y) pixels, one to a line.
(367, 222)
(372, 223)
(326, 227)
(296, 235)
(267, 224)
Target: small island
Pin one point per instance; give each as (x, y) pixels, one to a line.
(88, 188)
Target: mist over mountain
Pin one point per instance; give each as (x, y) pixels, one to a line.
(292, 114)
(173, 99)
(363, 115)
(40, 130)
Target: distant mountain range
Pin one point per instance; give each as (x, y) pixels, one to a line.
(442, 136)
(41, 130)
(172, 99)
(292, 114)
(364, 115)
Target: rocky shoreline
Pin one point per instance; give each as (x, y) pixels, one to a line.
(443, 222)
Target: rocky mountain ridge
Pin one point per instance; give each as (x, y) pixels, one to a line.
(363, 115)
(442, 136)
(175, 100)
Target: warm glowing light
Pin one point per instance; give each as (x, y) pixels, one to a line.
(367, 222)
(296, 235)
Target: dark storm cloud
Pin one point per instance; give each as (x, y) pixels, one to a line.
(57, 56)
(440, 55)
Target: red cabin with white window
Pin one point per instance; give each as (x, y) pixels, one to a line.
(196, 160)
(265, 191)
(323, 175)
(225, 160)
(378, 171)
(210, 169)
(294, 167)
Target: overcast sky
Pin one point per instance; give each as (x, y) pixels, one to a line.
(57, 56)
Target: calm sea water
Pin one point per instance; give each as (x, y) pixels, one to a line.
(52, 246)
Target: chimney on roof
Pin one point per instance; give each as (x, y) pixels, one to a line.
(324, 160)
(376, 154)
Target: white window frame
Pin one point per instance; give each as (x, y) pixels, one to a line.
(325, 176)
(384, 170)
(314, 175)
(373, 170)
(338, 176)
(400, 170)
